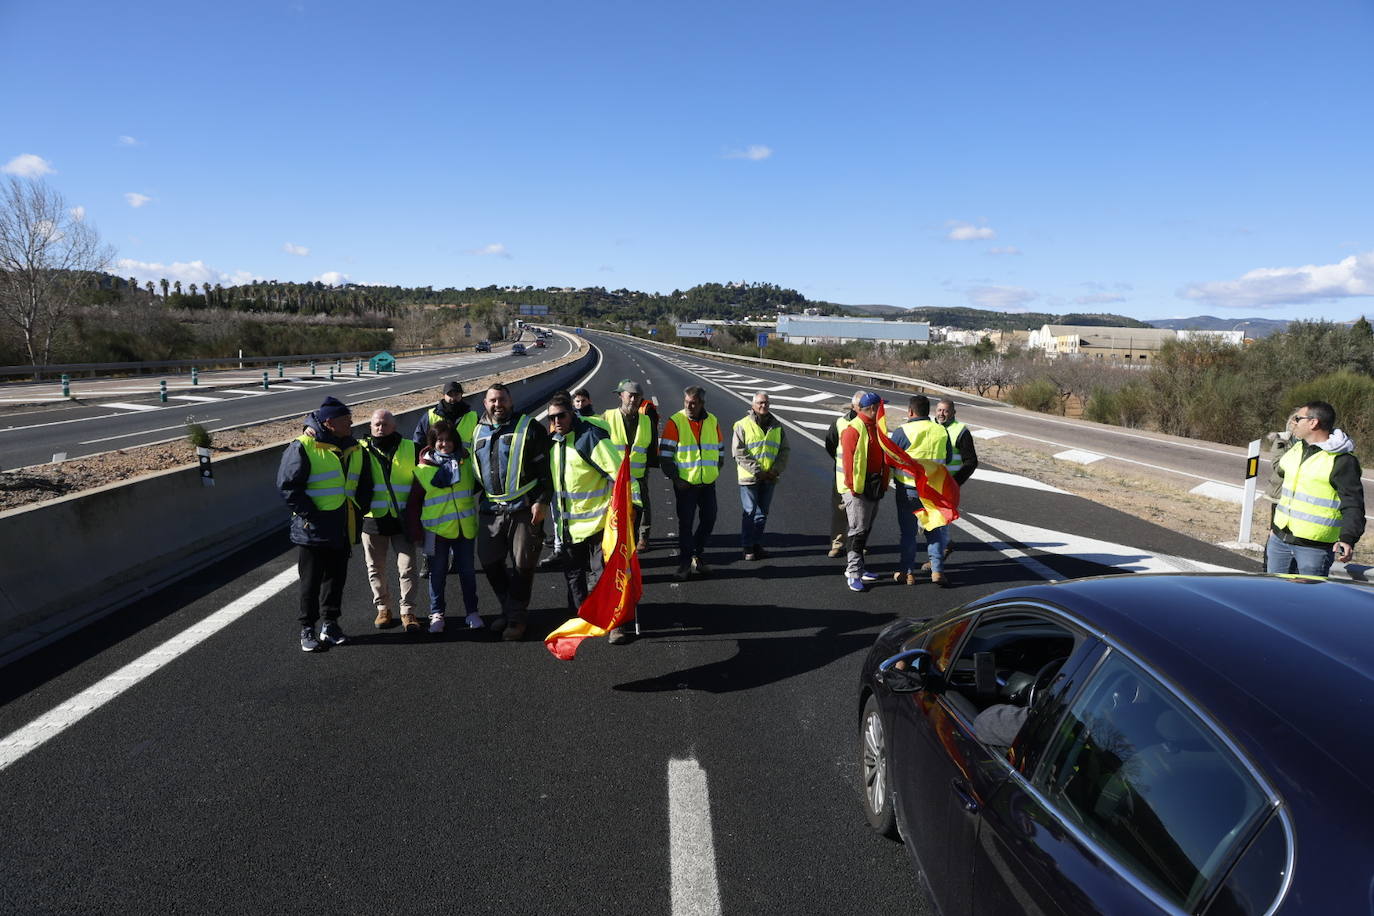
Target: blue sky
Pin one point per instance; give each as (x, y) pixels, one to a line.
(1156, 160)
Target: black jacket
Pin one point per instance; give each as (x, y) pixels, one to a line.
(311, 527)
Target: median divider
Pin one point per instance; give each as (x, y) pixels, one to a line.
(75, 559)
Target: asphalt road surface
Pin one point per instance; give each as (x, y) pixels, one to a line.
(118, 414)
(186, 756)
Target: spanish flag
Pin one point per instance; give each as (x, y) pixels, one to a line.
(935, 485)
(613, 599)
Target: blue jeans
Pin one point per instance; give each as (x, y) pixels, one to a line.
(1288, 558)
(755, 498)
(936, 538)
(697, 502)
(461, 551)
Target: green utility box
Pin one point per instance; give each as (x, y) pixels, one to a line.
(382, 362)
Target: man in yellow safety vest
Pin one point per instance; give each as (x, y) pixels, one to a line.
(1320, 513)
(759, 446)
(690, 452)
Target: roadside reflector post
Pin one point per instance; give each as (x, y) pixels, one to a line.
(162, 391)
(281, 371)
(195, 376)
(264, 381)
(331, 373)
(358, 369)
(1247, 506)
(66, 385)
(312, 367)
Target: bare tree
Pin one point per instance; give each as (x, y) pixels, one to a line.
(48, 256)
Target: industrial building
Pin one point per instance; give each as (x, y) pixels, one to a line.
(807, 330)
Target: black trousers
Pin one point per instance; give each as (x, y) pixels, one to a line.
(577, 568)
(322, 571)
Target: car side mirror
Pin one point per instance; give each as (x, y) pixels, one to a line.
(906, 672)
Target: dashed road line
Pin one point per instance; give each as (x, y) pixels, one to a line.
(191, 397)
(121, 406)
(1078, 456)
(691, 842)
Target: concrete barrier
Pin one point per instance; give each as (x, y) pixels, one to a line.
(77, 558)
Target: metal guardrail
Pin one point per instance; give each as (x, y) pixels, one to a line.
(855, 376)
(56, 369)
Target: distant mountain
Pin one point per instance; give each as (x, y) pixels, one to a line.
(1253, 327)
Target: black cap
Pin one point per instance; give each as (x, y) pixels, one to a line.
(453, 388)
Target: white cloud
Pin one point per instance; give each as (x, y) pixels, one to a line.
(27, 165)
(331, 278)
(755, 153)
(496, 249)
(1000, 298)
(1099, 299)
(1267, 287)
(129, 141)
(78, 213)
(1007, 249)
(966, 232)
(298, 250)
(187, 272)
(136, 200)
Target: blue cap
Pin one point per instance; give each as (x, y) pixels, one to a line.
(870, 400)
(331, 408)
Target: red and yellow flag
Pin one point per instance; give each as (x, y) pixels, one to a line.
(935, 485)
(612, 600)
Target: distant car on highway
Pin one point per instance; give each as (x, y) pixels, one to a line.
(517, 349)
(1130, 744)
(539, 342)
(483, 346)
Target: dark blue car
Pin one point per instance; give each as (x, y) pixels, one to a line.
(1198, 744)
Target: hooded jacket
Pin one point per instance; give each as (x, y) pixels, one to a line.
(1345, 480)
(310, 526)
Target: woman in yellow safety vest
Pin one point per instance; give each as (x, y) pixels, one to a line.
(441, 513)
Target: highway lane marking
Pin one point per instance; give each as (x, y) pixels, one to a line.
(142, 432)
(987, 434)
(20, 742)
(691, 841)
(1018, 480)
(1223, 491)
(824, 427)
(191, 397)
(809, 398)
(1012, 553)
(1078, 456)
(119, 406)
(1104, 553)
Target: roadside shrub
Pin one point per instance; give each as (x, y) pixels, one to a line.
(1129, 406)
(198, 435)
(1039, 394)
(1353, 397)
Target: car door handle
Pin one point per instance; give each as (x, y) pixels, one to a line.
(966, 798)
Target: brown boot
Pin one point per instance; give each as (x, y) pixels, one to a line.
(410, 622)
(939, 579)
(384, 619)
(514, 632)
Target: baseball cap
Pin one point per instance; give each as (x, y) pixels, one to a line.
(631, 386)
(331, 408)
(870, 400)
(453, 388)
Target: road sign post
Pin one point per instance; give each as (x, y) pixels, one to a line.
(162, 391)
(281, 371)
(264, 381)
(66, 385)
(195, 376)
(1247, 507)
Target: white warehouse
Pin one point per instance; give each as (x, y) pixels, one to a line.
(807, 330)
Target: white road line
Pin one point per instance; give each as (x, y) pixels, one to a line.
(1078, 456)
(820, 411)
(119, 406)
(247, 391)
(691, 842)
(987, 434)
(1017, 480)
(191, 397)
(1223, 491)
(1006, 550)
(143, 432)
(1105, 553)
(824, 427)
(18, 743)
(811, 398)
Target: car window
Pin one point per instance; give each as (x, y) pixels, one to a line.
(1257, 878)
(1147, 782)
(942, 641)
(1003, 655)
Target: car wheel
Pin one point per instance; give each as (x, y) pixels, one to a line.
(877, 787)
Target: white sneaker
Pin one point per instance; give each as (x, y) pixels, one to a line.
(436, 623)
(475, 621)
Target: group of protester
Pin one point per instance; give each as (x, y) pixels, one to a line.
(471, 489)
(474, 488)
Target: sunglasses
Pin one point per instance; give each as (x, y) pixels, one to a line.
(561, 415)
